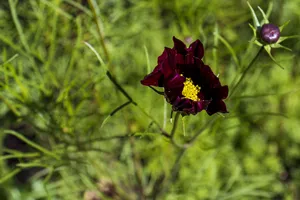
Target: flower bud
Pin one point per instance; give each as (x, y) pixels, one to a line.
(269, 33)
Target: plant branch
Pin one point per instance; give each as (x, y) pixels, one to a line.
(155, 90)
(174, 125)
(245, 71)
(91, 3)
(120, 107)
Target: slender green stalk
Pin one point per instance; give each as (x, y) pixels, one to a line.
(123, 91)
(20, 155)
(174, 174)
(101, 36)
(120, 107)
(9, 175)
(174, 125)
(17, 23)
(176, 166)
(245, 71)
(32, 144)
(193, 139)
(119, 87)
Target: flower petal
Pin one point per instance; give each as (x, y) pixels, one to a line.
(155, 78)
(165, 68)
(175, 82)
(179, 46)
(173, 88)
(201, 105)
(220, 92)
(216, 106)
(196, 49)
(206, 78)
(183, 105)
(169, 64)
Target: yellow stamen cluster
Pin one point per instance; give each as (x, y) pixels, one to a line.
(190, 91)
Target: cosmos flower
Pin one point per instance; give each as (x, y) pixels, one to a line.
(189, 85)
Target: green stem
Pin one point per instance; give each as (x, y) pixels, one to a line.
(119, 87)
(32, 144)
(174, 125)
(119, 108)
(245, 71)
(91, 3)
(193, 139)
(123, 91)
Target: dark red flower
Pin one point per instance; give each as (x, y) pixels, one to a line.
(270, 33)
(189, 85)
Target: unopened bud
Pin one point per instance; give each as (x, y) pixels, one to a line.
(270, 33)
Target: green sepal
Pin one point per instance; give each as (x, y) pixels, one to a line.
(282, 38)
(254, 17)
(280, 46)
(253, 29)
(270, 8)
(265, 21)
(268, 49)
(283, 25)
(258, 43)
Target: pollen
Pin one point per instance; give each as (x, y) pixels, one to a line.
(190, 91)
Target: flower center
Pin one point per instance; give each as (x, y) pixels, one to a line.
(190, 91)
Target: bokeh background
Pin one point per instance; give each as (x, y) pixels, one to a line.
(60, 140)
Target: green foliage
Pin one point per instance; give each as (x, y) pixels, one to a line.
(74, 114)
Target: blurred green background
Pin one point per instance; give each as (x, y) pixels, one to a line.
(58, 140)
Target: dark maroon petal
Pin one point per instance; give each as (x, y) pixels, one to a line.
(183, 105)
(201, 105)
(169, 64)
(220, 93)
(196, 49)
(190, 110)
(189, 70)
(180, 59)
(206, 78)
(165, 68)
(163, 56)
(189, 59)
(179, 46)
(201, 95)
(173, 88)
(216, 106)
(155, 78)
(187, 106)
(175, 82)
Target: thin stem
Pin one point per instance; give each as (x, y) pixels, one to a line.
(245, 71)
(119, 87)
(32, 144)
(173, 132)
(155, 90)
(102, 139)
(193, 139)
(91, 3)
(164, 133)
(137, 171)
(174, 125)
(174, 173)
(119, 108)
(130, 100)
(165, 114)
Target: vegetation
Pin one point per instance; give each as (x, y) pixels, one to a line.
(76, 123)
